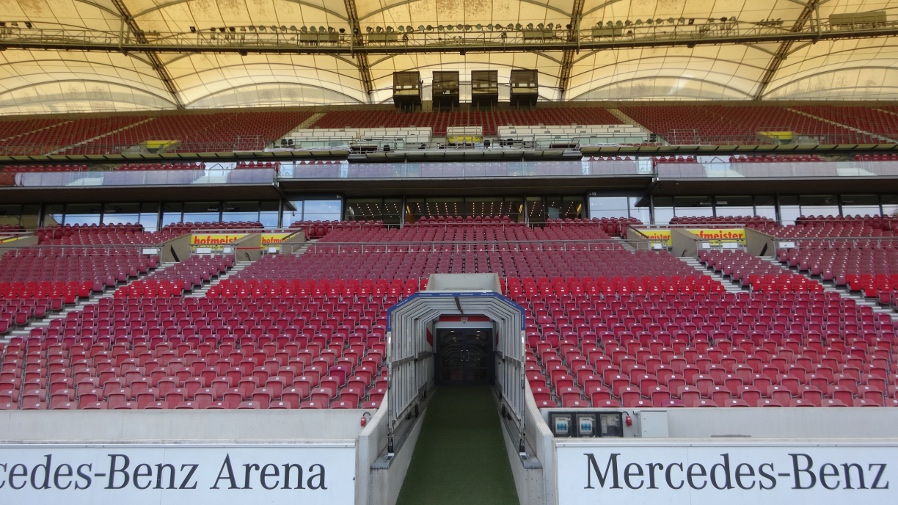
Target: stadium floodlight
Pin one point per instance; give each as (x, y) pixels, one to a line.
(368, 29)
(389, 29)
(649, 21)
(313, 29)
(421, 28)
(529, 26)
(441, 28)
(274, 28)
(681, 20)
(379, 29)
(510, 27)
(638, 22)
(518, 26)
(467, 28)
(619, 24)
(330, 29)
(550, 26)
(659, 21)
(401, 28)
(409, 28)
(283, 28)
(450, 27)
(670, 21)
(459, 27)
(292, 28)
(628, 22)
(479, 26)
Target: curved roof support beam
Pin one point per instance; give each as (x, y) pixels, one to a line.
(360, 58)
(785, 48)
(155, 62)
(567, 58)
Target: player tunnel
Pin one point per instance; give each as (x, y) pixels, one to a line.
(460, 331)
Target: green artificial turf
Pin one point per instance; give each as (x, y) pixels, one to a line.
(460, 456)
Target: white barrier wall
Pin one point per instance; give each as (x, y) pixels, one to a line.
(177, 474)
(177, 457)
(734, 472)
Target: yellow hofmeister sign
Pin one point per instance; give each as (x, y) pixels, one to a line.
(724, 234)
(273, 238)
(709, 234)
(215, 239)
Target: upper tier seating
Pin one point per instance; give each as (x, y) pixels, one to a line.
(737, 124)
(194, 132)
(869, 119)
(60, 135)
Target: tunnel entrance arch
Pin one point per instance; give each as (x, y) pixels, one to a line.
(412, 353)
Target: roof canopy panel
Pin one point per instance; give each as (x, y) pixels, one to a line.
(47, 68)
(859, 69)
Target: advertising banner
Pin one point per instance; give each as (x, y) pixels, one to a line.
(215, 239)
(177, 474)
(730, 474)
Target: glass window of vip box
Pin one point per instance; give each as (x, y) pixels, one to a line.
(25, 216)
(860, 205)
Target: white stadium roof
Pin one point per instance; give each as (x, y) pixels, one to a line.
(133, 55)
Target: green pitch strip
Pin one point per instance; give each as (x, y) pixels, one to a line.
(460, 456)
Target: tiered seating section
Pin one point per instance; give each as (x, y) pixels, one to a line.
(673, 159)
(101, 235)
(776, 158)
(877, 157)
(675, 348)
(318, 229)
(740, 124)
(61, 134)
(195, 132)
(755, 273)
(604, 327)
(859, 253)
(869, 119)
(35, 281)
(254, 130)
